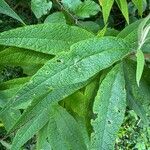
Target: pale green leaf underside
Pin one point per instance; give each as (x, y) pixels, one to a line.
(63, 127)
(47, 38)
(85, 59)
(5, 9)
(109, 107)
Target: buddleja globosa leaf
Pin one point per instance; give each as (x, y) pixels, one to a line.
(109, 107)
(46, 38)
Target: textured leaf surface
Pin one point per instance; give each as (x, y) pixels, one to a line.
(29, 129)
(63, 127)
(42, 142)
(17, 56)
(5, 9)
(87, 9)
(109, 107)
(82, 9)
(40, 7)
(39, 105)
(46, 38)
(85, 59)
(131, 34)
(140, 93)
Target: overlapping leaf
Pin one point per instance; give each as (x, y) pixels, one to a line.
(63, 127)
(109, 108)
(17, 56)
(83, 61)
(46, 38)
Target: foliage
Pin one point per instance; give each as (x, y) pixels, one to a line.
(70, 81)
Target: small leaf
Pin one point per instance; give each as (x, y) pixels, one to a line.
(83, 9)
(87, 9)
(57, 17)
(139, 5)
(109, 108)
(123, 5)
(5, 9)
(106, 8)
(140, 65)
(40, 7)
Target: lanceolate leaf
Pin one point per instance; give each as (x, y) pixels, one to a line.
(140, 65)
(5, 9)
(106, 8)
(139, 5)
(44, 103)
(109, 108)
(123, 5)
(47, 38)
(63, 127)
(83, 61)
(29, 129)
(38, 110)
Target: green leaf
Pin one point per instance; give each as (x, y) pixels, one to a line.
(44, 103)
(139, 5)
(29, 130)
(63, 127)
(85, 59)
(123, 5)
(109, 107)
(140, 65)
(138, 108)
(40, 7)
(16, 56)
(106, 8)
(38, 112)
(83, 9)
(57, 17)
(45, 38)
(14, 83)
(42, 142)
(5, 9)
(86, 9)
(140, 93)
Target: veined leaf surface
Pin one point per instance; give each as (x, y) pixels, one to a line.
(63, 127)
(109, 107)
(47, 38)
(85, 59)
